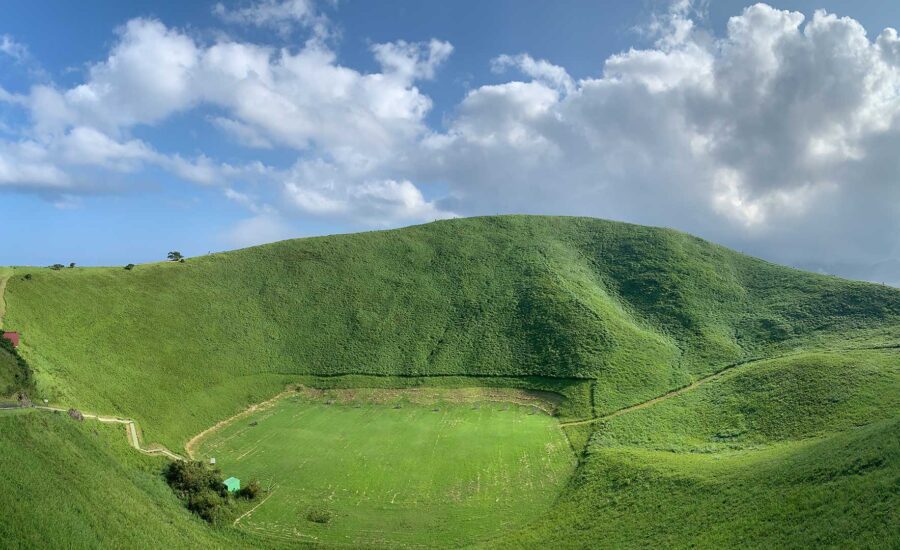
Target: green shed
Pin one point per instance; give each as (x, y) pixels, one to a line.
(232, 484)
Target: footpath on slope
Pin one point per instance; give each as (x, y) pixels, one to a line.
(130, 427)
(674, 393)
(700, 381)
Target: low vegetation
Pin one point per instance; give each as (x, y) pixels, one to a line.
(793, 445)
(396, 468)
(15, 374)
(79, 485)
(796, 452)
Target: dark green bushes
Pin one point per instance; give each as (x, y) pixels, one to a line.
(203, 490)
(249, 491)
(15, 374)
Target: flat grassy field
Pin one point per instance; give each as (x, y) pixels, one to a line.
(390, 470)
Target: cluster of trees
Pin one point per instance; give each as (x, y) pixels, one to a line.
(203, 489)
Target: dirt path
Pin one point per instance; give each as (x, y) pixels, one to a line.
(251, 510)
(663, 397)
(130, 429)
(191, 445)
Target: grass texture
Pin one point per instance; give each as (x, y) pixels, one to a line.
(794, 445)
(388, 471)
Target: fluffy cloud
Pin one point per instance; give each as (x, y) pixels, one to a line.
(779, 137)
(282, 15)
(262, 228)
(350, 124)
(13, 49)
(354, 193)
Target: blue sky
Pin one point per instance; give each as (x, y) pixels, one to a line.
(128, 129)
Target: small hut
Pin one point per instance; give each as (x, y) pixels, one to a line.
(232, 484)
(12, 337)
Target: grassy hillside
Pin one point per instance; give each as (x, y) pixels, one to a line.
(794, 445)
(799, 452)
(641, 310)
(79, 485)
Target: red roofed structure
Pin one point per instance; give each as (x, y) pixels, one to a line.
(12, 337)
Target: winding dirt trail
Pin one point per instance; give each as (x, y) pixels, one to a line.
(674, 393)
(191, 445)
(130, 428)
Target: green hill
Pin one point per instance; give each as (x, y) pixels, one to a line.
(608, 314)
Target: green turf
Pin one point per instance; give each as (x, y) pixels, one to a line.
(795, 450)
(802, 452)
(391, 472)
(68, 484)
(641, 310)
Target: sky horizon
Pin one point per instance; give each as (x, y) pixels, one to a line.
(129, 130)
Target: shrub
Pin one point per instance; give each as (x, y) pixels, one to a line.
(201, 487)
(28, 276)
(249, 491)
(22, 381)
(129, 267)
(194, 477)
(57, 267)
(71, 265)
(207, 504)
(319, 516)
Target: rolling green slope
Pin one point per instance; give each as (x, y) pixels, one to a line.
(795, 444)
(641, 310)
(78, 485)
(793, 453)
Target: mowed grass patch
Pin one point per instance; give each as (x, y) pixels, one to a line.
(393, 470)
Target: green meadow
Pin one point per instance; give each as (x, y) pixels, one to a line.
(372, 466)
(785, 434)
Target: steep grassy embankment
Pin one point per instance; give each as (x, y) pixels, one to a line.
(78, 485)
(641, 310)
